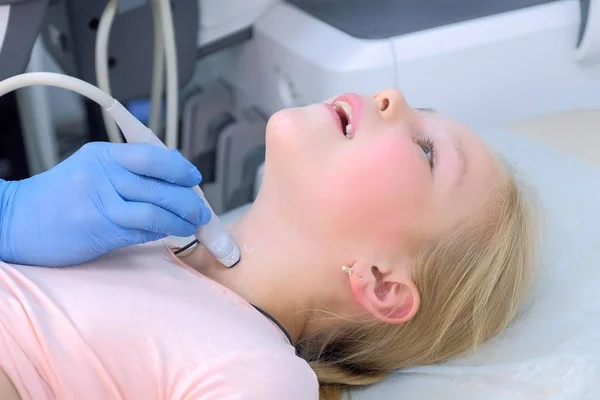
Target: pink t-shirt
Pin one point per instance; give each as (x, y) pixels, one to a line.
(138, 324)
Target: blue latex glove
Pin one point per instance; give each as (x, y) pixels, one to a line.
(103, 197)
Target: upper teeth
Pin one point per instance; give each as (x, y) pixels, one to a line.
(347, 108)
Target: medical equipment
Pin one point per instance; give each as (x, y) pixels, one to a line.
(226, 143)
(485, 63)
(105, 42)
(213, 235)
(102, 75)
(134, 43)
(214, 126)
(164, 50)
(20, 22)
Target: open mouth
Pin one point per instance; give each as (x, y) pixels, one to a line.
(344, 111)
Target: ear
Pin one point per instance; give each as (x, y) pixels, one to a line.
(388, 293)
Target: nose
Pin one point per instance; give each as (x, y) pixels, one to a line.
(391, 104)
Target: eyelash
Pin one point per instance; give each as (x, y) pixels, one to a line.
(429, 144)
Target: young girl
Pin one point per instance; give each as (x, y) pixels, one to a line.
(383, 237)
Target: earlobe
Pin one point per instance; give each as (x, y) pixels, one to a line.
(390, 297)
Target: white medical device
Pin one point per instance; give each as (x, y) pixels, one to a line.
(486, 63)
(213, 235)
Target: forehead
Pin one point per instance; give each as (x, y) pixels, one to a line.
(450, 127)
(466, 142)
(481, 170)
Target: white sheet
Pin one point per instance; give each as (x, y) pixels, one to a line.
(553, 351)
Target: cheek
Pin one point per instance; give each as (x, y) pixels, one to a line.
(383, 187)
(344, 191)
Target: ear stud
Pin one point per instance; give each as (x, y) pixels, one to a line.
(349, 270)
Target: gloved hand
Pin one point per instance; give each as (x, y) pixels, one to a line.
(103, 197)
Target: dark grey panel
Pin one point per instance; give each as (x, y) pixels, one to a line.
(585, 12)
(225, 42)
(70, 36)
(24, 25)
(128, 5)
(381, 19)
(4, 2)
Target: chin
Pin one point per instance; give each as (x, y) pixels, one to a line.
(284, 129)
(282, 153)
(297, 150)
(288, 141)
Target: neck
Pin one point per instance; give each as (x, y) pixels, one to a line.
(270, 272)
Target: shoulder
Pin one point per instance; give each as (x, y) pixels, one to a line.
(258, 375)
(278, 376)
(289, 375)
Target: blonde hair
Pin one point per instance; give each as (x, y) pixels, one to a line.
(472, 284)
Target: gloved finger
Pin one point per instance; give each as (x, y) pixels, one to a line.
(124, 237)
(150, 218)
(179, 200)
(135, 236)
(155, 162)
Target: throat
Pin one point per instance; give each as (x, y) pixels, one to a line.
(262, 277)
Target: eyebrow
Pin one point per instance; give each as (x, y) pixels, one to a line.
(462, 159)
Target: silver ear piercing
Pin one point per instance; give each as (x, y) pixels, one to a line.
(350, 271)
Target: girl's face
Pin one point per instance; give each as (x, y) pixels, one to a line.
(375, 175)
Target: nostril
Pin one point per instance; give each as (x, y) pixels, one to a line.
(385, 103)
